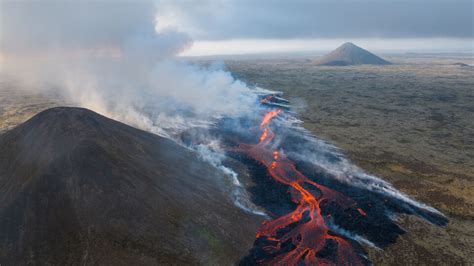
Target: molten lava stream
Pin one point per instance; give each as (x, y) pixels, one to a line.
(310, 235)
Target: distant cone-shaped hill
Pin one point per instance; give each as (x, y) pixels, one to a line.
(79, 188)
(350, 54)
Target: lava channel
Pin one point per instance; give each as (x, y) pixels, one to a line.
(304, 229)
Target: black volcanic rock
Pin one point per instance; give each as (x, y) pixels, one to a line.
(350, 54)
(461, 64)
(79, 188)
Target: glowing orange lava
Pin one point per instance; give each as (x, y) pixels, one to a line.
(362, 212)
(266, 99)
(311, 233)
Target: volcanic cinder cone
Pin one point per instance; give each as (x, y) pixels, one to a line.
(79, 188)
(350, 54)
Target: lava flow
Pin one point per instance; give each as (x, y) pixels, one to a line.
(302, 235)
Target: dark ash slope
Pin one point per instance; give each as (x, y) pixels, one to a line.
(79, 188)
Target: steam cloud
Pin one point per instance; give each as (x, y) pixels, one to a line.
(110, 57)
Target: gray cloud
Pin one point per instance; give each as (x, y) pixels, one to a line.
(210, 20)
(36, 24)
(45, 24)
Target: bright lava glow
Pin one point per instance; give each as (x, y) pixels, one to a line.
(311, 233)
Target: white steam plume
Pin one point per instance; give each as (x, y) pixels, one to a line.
(110, 57)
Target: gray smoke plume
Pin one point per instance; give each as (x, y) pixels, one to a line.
(108, 56)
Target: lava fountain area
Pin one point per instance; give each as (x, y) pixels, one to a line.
(321, 209)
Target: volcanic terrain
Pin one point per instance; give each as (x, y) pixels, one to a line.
(409, 123)
(79, 188)
(311, 215)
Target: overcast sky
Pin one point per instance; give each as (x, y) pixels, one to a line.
(285, 19)
(241, 26)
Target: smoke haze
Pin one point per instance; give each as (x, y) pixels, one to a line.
(109, 57)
